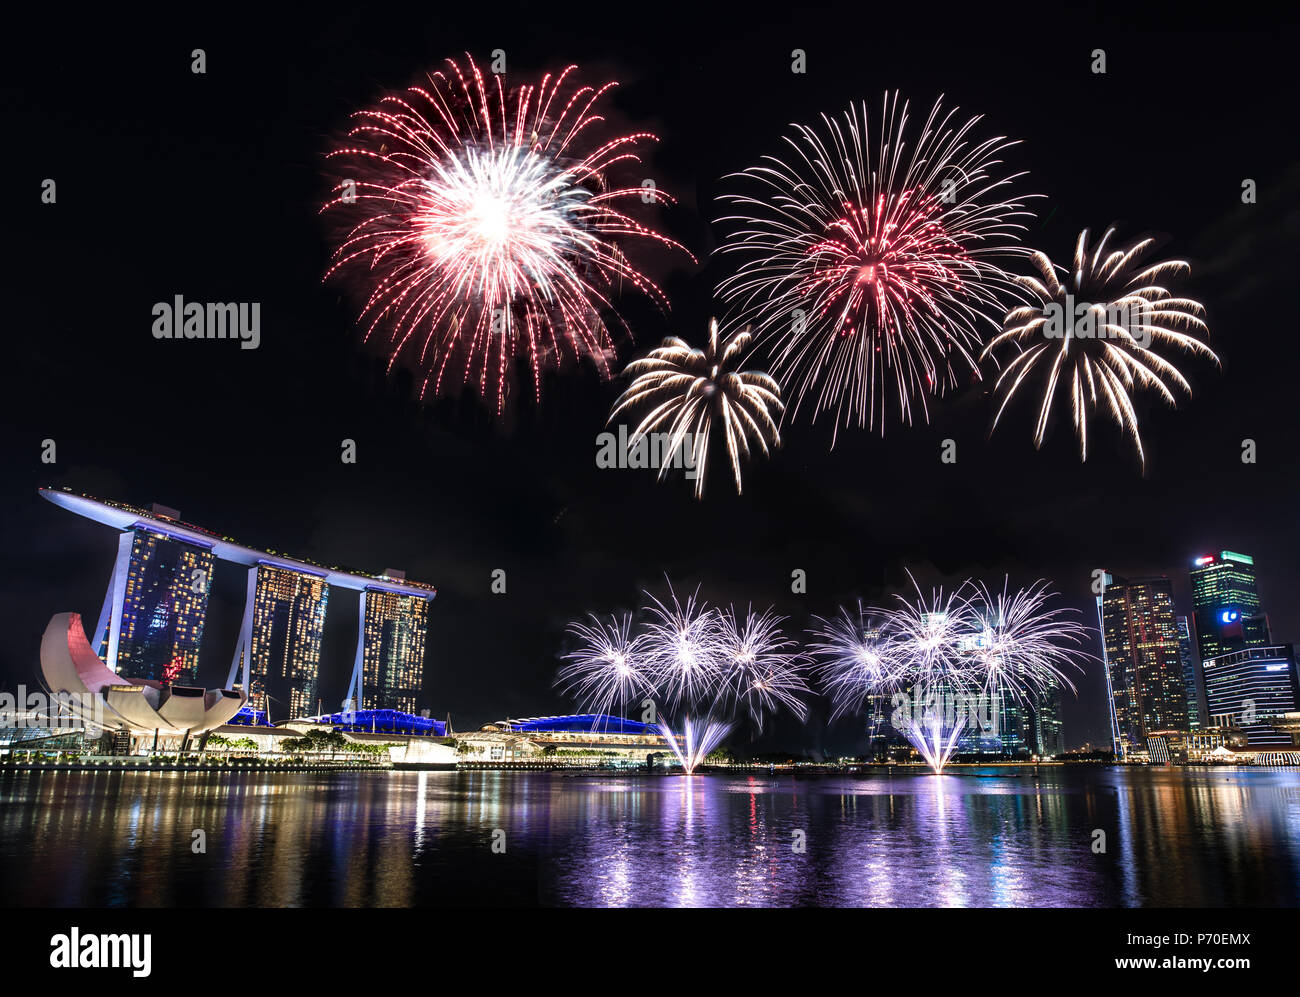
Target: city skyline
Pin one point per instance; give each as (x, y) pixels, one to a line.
(1142, 642)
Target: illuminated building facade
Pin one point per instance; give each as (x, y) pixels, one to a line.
(1191, 679)
(1046, 733)
(1250, 688)
(1143, 665)
(1225, 604)
(1009, 732)
(389, 672)
(152, 619)
(151, 625)
(284, 620)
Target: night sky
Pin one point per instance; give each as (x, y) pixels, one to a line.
(209, 186)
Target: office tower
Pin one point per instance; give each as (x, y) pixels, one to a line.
(1047, 736)
(1014, 725)
(1195, 706)
(283, 639)
(1247, 687)
(1255, 630)
(1224, 598)
(159, 601)
(1143, 665)
(392, 665)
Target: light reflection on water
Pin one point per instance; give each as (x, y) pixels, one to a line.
(989, 837)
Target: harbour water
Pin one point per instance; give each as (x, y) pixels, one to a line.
(1073, 836)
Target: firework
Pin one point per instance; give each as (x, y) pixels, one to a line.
(948, 662)
(855, 664)
(486, 226)
(609, 668)
(685, 646)
(1098, 336)
(871, 260)
(1024, 647)
(762, 670)
(701, 665)
(694, 393)
(695, 742)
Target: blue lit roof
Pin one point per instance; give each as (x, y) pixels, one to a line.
(249, 717)
(578, 724)
(384, 722)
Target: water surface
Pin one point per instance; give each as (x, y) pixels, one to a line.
(994, 837)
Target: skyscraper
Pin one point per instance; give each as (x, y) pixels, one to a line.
(283, 639)
(1046, 733)
(1195, 707)
(1247, 687)
(392, 656)
(154, 620)
(1143, 664)
(1224, 599)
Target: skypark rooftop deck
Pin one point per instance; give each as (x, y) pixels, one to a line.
(127, 517)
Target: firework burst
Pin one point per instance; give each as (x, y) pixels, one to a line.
(870, 260)
(685, 647)
(1098, 336)
(608, 668)
(701, 665)
(486, 226)
(762, 668)
(854, 663)
(954, 658)
(691, 394)
(1023, 646)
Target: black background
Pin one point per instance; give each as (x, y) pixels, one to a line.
(209, 186)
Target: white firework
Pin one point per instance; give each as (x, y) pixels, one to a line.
(855, 662)
(609, 668)
(1102, 357)
(763, 669)
(691, 394)
(685, 647)
(953, 657)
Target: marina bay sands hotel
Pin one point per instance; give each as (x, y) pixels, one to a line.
(151, 623)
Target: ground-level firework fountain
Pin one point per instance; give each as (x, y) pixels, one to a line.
(696, 740)
(947, 664)
(698, 667)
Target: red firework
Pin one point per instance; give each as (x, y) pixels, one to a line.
(882, 264)
(872, 259)
(486, 227)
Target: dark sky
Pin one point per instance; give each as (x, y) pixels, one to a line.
(208, 186)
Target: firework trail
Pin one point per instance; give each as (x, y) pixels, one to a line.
(695, 392)
(870, 260)
(1109, 352)
(486, 228)
(696, 740)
